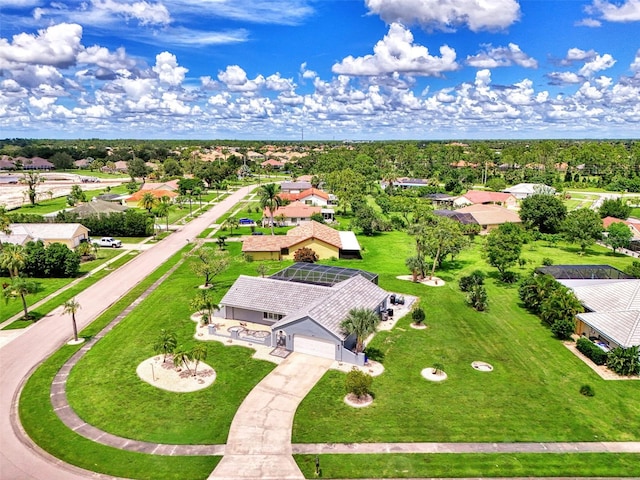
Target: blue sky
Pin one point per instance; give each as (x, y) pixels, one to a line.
(333, 69)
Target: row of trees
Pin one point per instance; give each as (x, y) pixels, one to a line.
(37, 260)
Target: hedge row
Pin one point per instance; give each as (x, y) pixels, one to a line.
(592, 351)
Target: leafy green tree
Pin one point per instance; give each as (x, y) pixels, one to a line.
(367, 220)
(165, 344)
(138, 169)
(497, 184)
(198, 354)
(269, 195)
(360, 322)
(71, 307)
(582, 226)
(633, 269)
(503, 247)
(5, 222)
(19, 288)
(618, 235)
(62, 161)
(209, 264)
(544, 212)
(77, 195)
(172, 168)
(148, 201)
(624, 361)
(13, 258)
(358, 383)
(614, 207)
(347, 185)
(438, 237)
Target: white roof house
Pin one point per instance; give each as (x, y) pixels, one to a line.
(69, 234)
(524, 190)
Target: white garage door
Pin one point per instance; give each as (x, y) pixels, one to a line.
(314, 346)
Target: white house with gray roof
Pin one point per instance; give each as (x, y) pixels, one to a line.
(304, 317)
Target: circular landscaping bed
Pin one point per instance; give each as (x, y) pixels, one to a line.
(165, 375)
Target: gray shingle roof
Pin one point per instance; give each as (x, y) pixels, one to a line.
(327, 306)
(268, 295)
(356, 292)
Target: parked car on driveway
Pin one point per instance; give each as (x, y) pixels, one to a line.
(109, 242)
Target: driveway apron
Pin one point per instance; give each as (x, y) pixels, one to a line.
(259, 443)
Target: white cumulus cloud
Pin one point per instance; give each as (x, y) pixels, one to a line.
(448, 14)
(236, 80)
(627, 11)
(168, 70)
(598, 63)
(144, 12)
(494, 57)
(57, 45)
(396, 52)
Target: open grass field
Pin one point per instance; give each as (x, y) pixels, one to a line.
(532, 395)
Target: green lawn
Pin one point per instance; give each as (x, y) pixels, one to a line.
(60, 203)
(105, 390)
(532, 395)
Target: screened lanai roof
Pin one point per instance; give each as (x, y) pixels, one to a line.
(583, 272)
(317, 274)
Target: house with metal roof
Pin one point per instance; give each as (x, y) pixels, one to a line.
(304, 317)
(611, 300)
(69, 234)
(490, 216)
(325, 241)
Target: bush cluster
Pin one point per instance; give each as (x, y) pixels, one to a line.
(358, 383)
(591, 351)
(476, 278)
(130, 223)
(55, 260)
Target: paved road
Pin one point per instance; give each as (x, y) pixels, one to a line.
(18, 460)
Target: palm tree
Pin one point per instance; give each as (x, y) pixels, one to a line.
(203, 302)
(163, 208)
(13, 258)
(198, 354)
(148, 201)
(181, 357)
(71, 306)
(231, 223)
(362, 322)
(562, 304)
(166, 343)
(20, 287)
(270, 199)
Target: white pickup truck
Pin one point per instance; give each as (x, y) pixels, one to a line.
(109, 242)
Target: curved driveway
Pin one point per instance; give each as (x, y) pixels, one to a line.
(18, 459)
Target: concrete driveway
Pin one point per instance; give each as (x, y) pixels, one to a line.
(259, 442)
(18, 458)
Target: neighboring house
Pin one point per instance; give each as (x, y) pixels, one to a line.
(304, 317)
(405, 182)
(611, 299)
(524, 190)
(69, 234)
(463, 218)
(171, 185)
(136, 197)
(490, 216)
(295, 213)
(475, 197)
(6, 163)
(97, 207)
(310, 196)
(294, 187)
(37, 163)
(441, 199)
(83, 163)
(632, 223)
(325, 241)
(274, 164)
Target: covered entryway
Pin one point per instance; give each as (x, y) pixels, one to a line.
(314, 346)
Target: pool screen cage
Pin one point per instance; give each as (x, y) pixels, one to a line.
(317, 274)
(583, 272)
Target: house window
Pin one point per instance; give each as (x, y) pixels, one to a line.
(272, 316)
(284, 251)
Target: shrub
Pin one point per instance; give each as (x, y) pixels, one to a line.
(509, 277)
(587, 391)
(547, 261)
(477, 297)
(417, 315)
(624, 361)
(305, 254)
(563, 328)
(591, 351)
(358, 383)
(476, 278)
